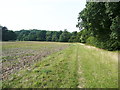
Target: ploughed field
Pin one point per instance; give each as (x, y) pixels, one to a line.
(57, 65)
(19, 55)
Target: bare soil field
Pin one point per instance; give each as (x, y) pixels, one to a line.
(18, 55)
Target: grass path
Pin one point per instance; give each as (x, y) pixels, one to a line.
(98, 67)
(74, 67)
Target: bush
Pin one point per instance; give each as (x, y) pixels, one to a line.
(91, 40)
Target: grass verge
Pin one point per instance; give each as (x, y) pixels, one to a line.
(99, 68)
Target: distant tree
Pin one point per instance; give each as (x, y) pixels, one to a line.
(7, 34)
(49, 36)
(32, 36)
(22, 35)
(55, 36)
(65, 36)
(73, 37)
(4, 28)
(41, 35)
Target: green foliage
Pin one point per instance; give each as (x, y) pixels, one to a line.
(7, 34)
(115, 28)
(65, 36)
(43, 35)
(100, 20)
(84, 34)
(73, 37)
(91, 40)
(49, 36)
(55, 36)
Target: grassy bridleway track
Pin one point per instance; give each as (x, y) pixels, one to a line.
(75, 66)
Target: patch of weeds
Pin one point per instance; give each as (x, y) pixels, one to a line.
(30, 54)
(47, 64)
(45, 71)
(8, 58)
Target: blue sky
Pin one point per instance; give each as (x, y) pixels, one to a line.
(40, 14)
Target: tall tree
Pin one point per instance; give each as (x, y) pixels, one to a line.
(101, 20)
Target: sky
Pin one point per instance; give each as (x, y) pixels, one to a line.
(40, 14)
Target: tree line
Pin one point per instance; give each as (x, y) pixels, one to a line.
(44, 35)
(99, 24)
(39, 35)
